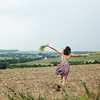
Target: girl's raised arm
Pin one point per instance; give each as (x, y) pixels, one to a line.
(54, 49)
(71, 55)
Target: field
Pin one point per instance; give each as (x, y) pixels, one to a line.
(44, 80)
(47, 61)
(2, 58)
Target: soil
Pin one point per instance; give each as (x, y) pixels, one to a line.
(43, 80)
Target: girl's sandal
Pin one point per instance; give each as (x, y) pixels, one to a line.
(58, 88)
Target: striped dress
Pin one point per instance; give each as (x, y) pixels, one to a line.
(63, 68)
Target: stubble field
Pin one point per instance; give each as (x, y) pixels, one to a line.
(43, 80)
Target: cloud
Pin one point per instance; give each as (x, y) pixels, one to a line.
(27, 24)
(12, 3)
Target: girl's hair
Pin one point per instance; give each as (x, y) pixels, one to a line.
(67, 50)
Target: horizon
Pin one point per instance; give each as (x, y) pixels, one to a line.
(47, 51)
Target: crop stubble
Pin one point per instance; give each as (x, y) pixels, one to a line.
(44, 80)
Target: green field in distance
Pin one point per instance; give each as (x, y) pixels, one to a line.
(47, 61)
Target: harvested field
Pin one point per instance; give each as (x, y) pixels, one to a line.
(44, 80)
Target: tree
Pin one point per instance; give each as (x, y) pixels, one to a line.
(3, 65)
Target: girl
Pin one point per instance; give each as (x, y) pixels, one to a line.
(63, 68)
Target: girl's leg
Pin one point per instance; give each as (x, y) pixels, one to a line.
(60, 83)
(63, 82)
(61, 79)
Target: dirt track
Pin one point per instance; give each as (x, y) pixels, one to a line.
(42, 80)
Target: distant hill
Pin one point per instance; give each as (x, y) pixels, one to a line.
(49, 52)
(82, 52)
(8, 51)
(95, 52)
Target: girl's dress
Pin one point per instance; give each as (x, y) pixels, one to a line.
(63, 68)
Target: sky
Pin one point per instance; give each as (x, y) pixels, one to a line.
(28, 24)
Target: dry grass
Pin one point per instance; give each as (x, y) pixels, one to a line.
(44, 80)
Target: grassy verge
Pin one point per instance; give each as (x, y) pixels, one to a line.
(85, 58)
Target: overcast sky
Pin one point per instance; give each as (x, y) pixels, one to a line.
(28, 24)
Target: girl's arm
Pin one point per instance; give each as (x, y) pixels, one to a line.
(54, 49)
(71, 55)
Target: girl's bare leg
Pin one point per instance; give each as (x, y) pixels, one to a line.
(60, 82)
(63, 83)
(61, 79)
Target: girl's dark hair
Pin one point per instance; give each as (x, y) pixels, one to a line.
(67, 50)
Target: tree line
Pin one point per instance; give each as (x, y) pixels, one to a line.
(78, 62)
(7, 62)
(23, 55)
(21, 60)
(11, 63)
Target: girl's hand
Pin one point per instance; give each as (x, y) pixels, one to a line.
(47, 45)
(87, 55)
